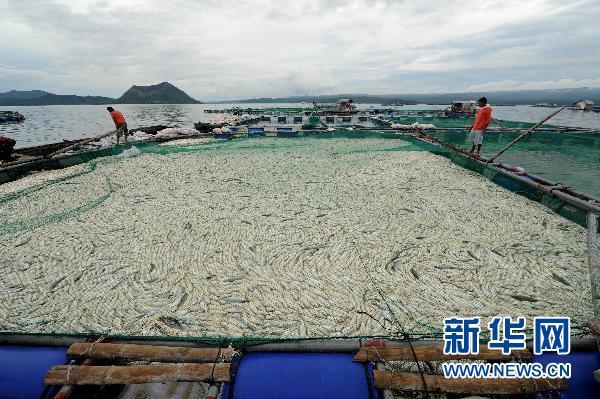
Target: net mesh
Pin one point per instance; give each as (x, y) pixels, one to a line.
(94, 159)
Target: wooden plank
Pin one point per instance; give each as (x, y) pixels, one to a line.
(429, 352)
(488, 386)
(152, 353)
(107, 375)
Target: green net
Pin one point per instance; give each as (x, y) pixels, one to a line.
(380, 304)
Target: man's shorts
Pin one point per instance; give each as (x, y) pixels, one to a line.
(476, 137)
(122, 130)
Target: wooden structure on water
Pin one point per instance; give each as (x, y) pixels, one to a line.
(103, 363)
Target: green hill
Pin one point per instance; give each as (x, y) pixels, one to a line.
(23, 95)
(162, 93)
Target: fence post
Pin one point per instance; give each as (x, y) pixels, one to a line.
(593, 238)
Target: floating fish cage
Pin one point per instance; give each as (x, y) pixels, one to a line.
(328, 243)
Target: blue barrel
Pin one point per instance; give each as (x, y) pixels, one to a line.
(583, 364)
(299, 376)
(22, 369)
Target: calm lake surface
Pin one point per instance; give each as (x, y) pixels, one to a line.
(569, 158)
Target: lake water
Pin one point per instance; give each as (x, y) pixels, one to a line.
(573, 158)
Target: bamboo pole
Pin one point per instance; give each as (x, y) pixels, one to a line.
(7, 165)
(66, 391)
(151, 353)
(317, 345)
(489, 386)
(109, 375)
(429, 352)
(573, 197)
(80, 143)
(345, 345)
(529, 131)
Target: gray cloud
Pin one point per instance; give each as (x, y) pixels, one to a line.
(253, 48)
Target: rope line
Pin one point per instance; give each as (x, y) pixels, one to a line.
(405, 335)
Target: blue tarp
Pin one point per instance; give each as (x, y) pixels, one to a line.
(583, 364)
(22, 369)
(300, 376)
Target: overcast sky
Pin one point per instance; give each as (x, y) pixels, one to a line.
(220, 49)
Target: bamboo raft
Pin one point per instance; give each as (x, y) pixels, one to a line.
(213, 365)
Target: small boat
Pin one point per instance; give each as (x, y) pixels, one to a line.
(583, 105)
(11, 116)
(460, 109)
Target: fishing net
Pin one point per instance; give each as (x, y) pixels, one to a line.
(103, 209)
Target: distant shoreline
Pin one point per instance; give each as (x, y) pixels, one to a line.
(166, 93)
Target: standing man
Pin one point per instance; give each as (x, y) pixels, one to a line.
(482, 120)
(120, 123)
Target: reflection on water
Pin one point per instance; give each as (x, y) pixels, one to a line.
(571, 158)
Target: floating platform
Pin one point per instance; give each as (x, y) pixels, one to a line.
(302, 369)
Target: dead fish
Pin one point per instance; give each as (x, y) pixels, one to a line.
(560, 279)
(414, 273)
(118, 284)
(78, 277)
(473, 255)
(395, 257)
(236, 299)
(53, 286)
(234, 315)
(246, 222)
(170, 321)
(524, 298)
(25, 241)
(497, 253)
(234, 278)
(182, 300)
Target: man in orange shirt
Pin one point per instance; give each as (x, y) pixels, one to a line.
(482, 120)
(120, 123)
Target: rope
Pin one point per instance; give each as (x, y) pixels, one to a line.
(520, 360)
(217, 360)
(85, 352)
(178, 375)
(405, 335)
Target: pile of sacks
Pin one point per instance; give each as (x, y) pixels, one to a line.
(230, 119)
(221, 130)
(414, 126)
(141, 135)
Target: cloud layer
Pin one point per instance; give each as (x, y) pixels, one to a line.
(253, 48)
